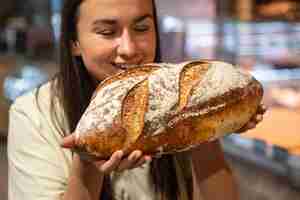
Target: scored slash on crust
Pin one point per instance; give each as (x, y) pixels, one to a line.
(133, 112)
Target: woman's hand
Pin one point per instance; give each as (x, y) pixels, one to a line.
(117, 162)
(257, 118)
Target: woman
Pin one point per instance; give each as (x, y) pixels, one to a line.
(100, 38)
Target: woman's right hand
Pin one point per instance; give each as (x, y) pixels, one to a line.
(117, 162)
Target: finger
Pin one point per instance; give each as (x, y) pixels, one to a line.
(99, 163)
(130, 161)
(142, 161)
(148, 158)
(262, 109)
(112, 163)
(68, 141)
(258, 118)
(139, 163)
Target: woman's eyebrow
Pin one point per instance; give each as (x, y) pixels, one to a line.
(105, 21)
(115, 21)
(143, 17)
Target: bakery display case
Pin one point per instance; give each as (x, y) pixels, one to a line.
(263, 37)
(275, 143)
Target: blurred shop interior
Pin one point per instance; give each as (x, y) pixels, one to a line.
(260, 36)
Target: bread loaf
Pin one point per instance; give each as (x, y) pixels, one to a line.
(165, 108)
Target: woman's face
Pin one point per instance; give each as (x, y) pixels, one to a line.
(114, 34)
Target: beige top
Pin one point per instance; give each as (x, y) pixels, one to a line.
(39, 168)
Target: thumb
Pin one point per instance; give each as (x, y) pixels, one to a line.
(68, 142)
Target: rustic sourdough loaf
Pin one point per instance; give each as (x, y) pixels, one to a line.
(165, 108)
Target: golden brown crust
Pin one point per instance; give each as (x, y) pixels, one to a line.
(206, 125)
(102, 144)
(186, 127)
(133, 111)
(132, 72)
(191, 74)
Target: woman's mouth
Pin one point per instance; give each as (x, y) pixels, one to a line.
(124, 66)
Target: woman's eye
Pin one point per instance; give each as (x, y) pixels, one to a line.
(106, 32)
(142, 28)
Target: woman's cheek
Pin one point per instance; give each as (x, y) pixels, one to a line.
(100, 54)
(149, 46)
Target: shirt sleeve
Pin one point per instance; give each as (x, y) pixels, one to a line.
(37, 164)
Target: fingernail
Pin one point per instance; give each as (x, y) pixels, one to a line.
(120, 154)
(265, 108)
(139, 154)
(66, 145)
(259, 118)
(148, 158)
(134, 157)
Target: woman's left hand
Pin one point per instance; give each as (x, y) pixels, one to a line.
(257, 118)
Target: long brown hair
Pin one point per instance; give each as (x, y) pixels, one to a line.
(74, 87)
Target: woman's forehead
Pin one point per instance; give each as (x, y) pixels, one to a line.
(115, 9)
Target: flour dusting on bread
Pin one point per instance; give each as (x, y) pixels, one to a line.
(219, 79)
(106, 106)
(163, 94)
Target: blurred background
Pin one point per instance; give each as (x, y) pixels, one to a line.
(261, 36)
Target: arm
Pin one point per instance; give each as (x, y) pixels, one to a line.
(85, 181)
(40, 169)
(212, 177)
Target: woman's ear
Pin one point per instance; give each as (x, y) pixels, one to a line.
(75, 48)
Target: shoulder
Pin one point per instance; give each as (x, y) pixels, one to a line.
(33, 147)
(39, 98)
(36, 106)
(31, 118)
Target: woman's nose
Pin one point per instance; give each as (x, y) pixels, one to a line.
(127, 47)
